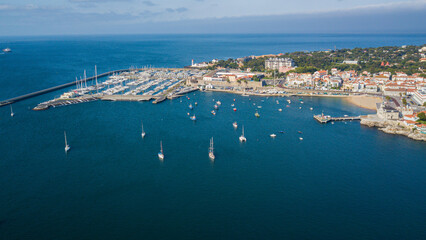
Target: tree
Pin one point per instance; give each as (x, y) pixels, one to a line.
(422, 116)
(404, 101)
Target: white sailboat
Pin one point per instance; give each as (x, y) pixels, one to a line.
(242, 138)
(67, 147)
(235, 125)
(143, 132)
(11, 111)
(211, 150)
(161, 154)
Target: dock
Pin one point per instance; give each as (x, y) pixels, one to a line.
(63, 102)
(325, 118)
(160, 99)
(130, 98)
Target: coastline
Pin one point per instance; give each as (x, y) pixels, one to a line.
(363, 101)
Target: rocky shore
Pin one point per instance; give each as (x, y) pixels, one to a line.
(392, 127)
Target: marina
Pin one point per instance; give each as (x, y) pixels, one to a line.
(123, 85)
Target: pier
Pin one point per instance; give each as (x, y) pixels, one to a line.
(325, 119)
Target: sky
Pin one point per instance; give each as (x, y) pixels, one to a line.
(63, 17)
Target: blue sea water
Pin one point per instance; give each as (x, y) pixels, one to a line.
(343, 181)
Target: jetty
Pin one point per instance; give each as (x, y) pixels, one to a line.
(326, 118)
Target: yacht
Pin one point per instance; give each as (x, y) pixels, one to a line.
(161, 154)
(211, 150)
(11, 111)
(190, 106)
(273, 135)
(235, 125)
(242, 138)
(7, 50)
(280, 110)
(257, 114)
(67, 147)
(143, 132)
(193, 118)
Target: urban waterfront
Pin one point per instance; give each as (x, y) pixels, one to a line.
(342, 180)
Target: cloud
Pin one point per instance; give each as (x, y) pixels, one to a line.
(4, 7)
(97, 1)
(41, 20)
(178, 10)
(149, 3)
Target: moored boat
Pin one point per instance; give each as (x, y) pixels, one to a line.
(242, 137)
(211, 150)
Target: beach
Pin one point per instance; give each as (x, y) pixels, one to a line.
(368, 102)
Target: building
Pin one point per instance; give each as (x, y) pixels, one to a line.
(386, 112)
(419, 96)
(350, 62)
(198, 65)
(277, 63)
(395, 92)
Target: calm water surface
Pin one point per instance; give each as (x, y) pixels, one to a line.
(343, 181)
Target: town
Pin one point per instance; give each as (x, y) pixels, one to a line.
(403, 95)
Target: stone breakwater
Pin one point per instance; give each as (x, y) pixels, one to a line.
(392, 127)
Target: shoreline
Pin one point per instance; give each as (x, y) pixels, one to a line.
(364, 101)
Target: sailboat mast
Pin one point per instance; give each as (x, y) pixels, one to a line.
(85, 83)
(65, 135)
(211, 144)
(96, 79)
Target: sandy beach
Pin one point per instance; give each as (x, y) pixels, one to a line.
(368, 102)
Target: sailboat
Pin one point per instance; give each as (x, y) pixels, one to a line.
(11, 111)
(143, 132)
(161, 154)
(67, 147)
(235, 125)
(242, 138)
(211, 150)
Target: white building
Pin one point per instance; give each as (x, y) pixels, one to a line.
(277, 63)
(419, 96)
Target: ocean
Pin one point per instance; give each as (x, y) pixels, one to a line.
(342, 181)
